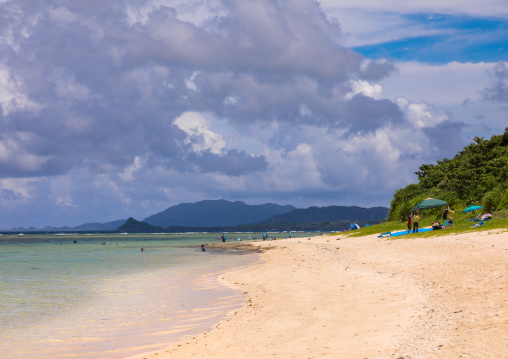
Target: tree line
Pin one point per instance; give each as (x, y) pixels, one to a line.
(476, 175)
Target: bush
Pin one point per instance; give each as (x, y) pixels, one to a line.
(403, 211)
(503, 201)
(491, 201)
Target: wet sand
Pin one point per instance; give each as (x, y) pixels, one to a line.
(365, 297)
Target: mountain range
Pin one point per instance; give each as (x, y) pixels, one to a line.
(212, 213)
(330, 214)
(215, 214)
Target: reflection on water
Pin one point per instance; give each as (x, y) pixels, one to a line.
(61, 299)
(103, 298)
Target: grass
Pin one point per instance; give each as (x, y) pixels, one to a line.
(461, 225)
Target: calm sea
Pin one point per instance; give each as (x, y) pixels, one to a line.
(102, 297)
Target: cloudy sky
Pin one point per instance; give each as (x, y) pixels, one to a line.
(112, 109)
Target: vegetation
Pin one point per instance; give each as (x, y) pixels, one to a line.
(463, 224)
(134, 226)
(476, 175)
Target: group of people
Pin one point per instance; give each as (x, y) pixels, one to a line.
(265, 237)
(413, 220)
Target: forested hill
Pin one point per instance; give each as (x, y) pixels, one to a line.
(476, 175)
(209, 213)
(330, 214)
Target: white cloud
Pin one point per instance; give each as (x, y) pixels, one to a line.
(66, 86)
(189, 82)
(294, 170)
(370, 22)
(199, 13)
(367, 26)
(441, 85)
(21, 188)
(160, 102)
(130, 170)
(472, 7)
(422, 115)
(61, 189)
(374, 91)
(13, 153)
(199, 136)
(12, 95)
(105, 184)
(63, 15)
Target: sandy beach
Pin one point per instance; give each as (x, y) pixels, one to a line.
(365, 297)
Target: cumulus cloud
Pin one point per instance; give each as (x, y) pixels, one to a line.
(497, 91)
(12, 97)
(147, 104)
(198, 134)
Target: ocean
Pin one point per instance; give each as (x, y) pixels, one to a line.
(91, 296)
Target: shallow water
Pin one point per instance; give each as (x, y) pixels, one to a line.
(61, 299)
(103, 298)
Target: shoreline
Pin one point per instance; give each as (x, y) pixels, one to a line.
(89, 300)
(365, 297)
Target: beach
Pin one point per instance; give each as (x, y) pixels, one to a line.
(365, 297)
(103, 298)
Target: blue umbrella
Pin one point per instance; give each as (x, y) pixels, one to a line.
(472, 208)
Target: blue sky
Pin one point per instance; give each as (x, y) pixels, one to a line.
(456, 38)
(116, 109)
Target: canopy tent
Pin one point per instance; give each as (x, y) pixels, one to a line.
(354, 226)
(430, 203)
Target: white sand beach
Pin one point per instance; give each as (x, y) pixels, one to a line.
(366, 297)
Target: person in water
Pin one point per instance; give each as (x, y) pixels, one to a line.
(142, 250)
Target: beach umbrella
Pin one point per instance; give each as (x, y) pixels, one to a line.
(472, 208)
(430, 203)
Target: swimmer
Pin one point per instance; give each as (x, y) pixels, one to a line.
(142, 250)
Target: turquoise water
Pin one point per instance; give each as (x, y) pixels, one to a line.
(103, 298)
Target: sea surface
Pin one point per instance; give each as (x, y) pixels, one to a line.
(92, 296)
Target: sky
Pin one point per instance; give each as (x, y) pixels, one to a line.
(117, 109)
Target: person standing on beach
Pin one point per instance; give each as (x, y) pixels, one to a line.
(451, 212)
(445, 215)
(416, 219)
(409, 223)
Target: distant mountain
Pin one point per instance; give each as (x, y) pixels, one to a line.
(133, 226)
(221, 215)
(108, 226)
(87, 227)
(211, 213)
(330, 214)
